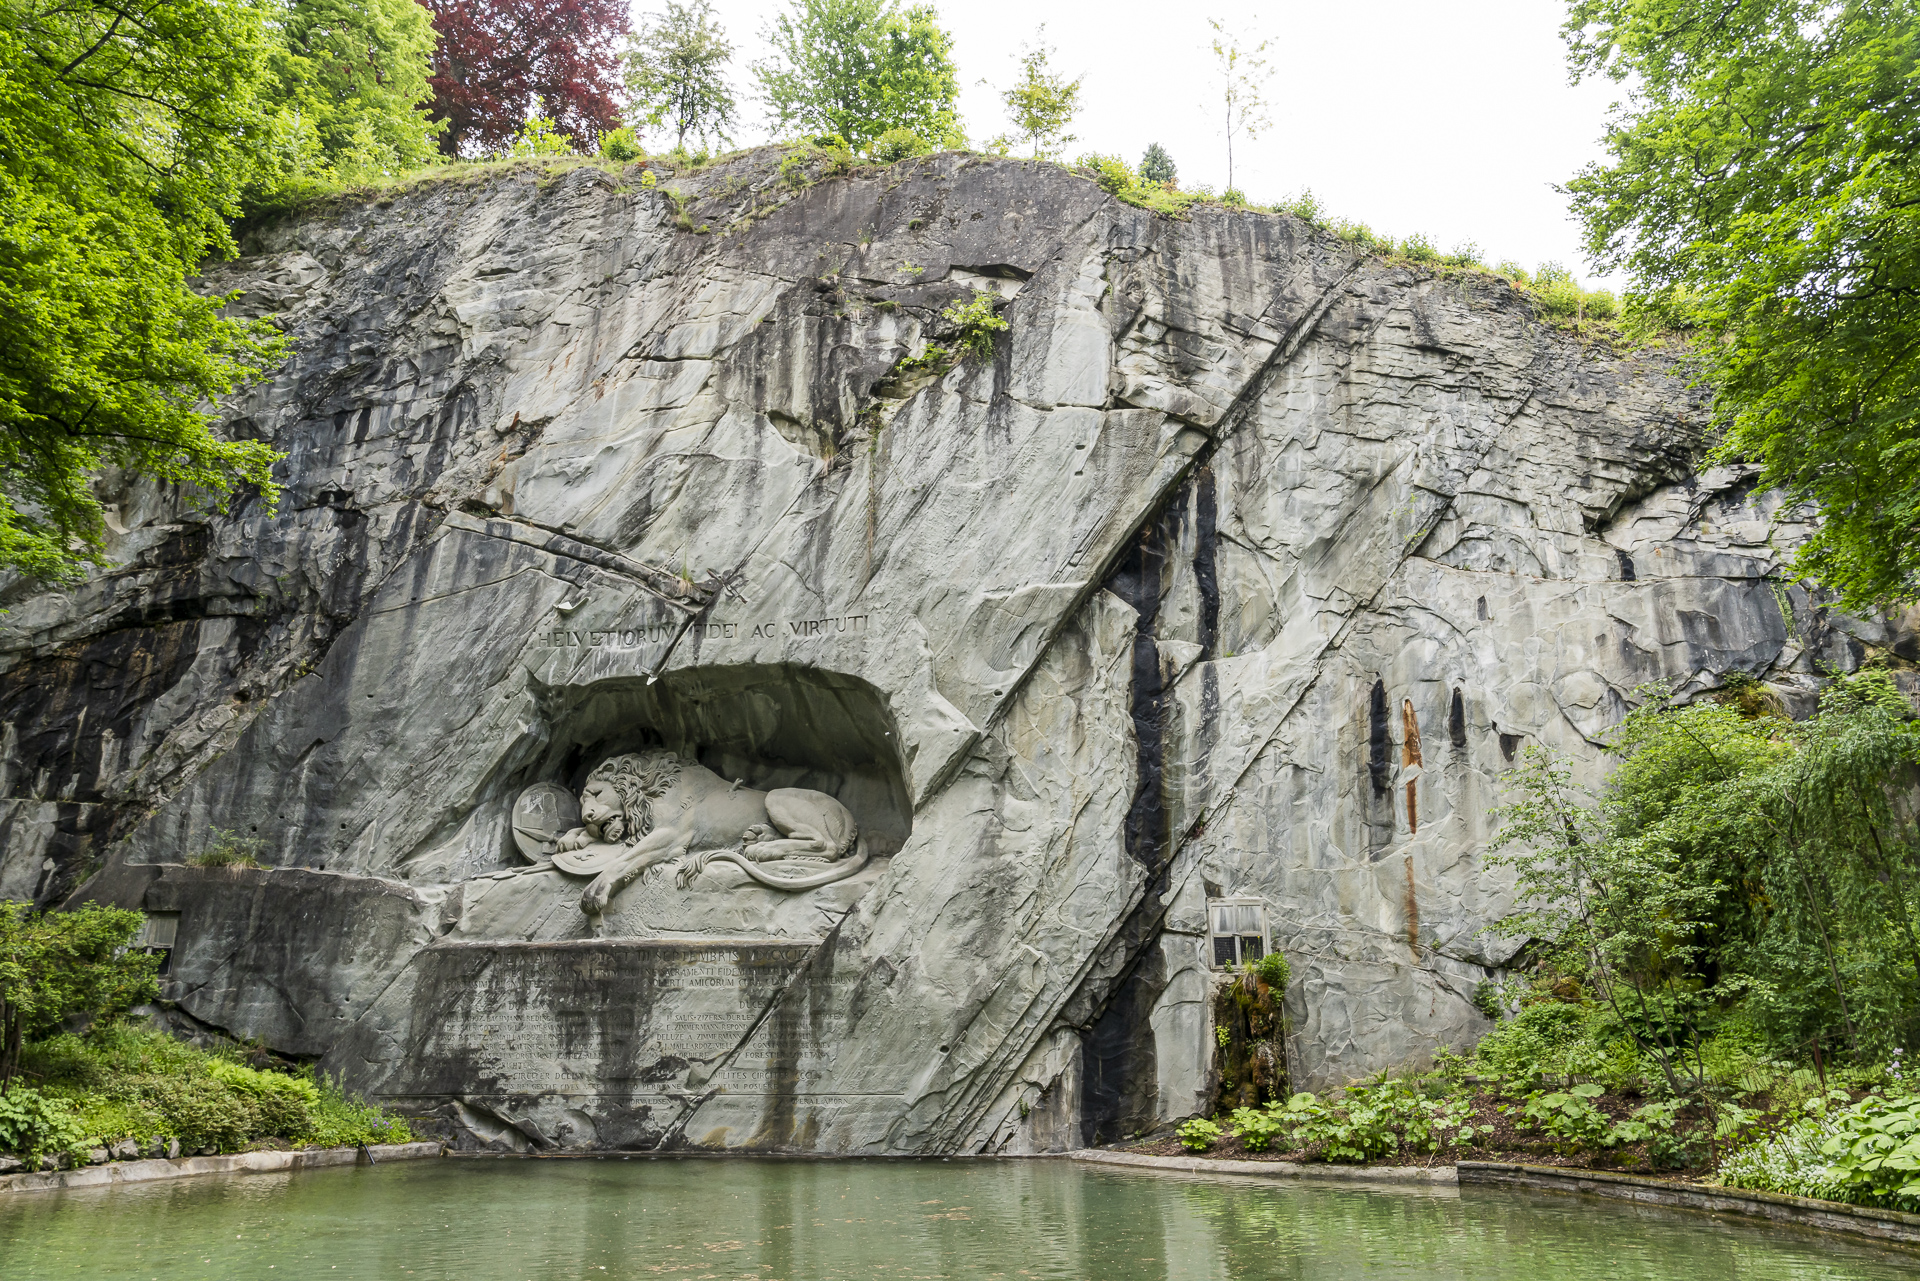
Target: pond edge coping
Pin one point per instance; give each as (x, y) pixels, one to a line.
(113, 1173)
(1886, 1226)
(1273, 1169)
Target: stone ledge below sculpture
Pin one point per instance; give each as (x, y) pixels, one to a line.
(599, 1044)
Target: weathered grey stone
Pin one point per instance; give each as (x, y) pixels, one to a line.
(1242, 568)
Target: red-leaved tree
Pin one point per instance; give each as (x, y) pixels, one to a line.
(496, 58)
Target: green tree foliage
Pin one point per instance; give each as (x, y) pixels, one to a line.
(1157, 166)
(1736, 861)
(1243, 73)
(126, 134)
(858, 68)
(1042, 102)
(539, 136)
(349, 90)
(676, 74)
(1765, 179)
(53, 964)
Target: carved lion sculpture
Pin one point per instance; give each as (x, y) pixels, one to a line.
(643, 809)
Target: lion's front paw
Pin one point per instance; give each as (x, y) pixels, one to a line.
(577, 839)
(593, 899)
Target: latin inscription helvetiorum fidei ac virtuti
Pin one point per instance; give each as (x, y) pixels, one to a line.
(653, 633)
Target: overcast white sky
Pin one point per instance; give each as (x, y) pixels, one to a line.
(1444, 117)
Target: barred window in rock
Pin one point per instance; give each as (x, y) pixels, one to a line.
(1239, 929)
(157, 936)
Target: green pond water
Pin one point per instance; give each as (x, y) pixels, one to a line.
(483, 1220)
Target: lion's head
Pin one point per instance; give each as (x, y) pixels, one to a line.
(616, 804)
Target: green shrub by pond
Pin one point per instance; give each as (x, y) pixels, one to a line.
(1866, 1153)
(131, 1081)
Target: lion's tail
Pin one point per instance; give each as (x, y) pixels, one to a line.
(838, 872)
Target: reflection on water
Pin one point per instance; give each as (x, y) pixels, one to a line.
(690, 1219)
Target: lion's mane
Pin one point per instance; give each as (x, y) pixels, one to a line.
(636, 778)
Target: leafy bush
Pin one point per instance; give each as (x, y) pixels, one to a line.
(621, 145)
(1198, 1134)
(1273, 970)
(1233, 197)
(1111, 172)
(136, 1082)
(31, 1123)
(1377, 1118)
(539, 137)
(1556, 290)
(1535, 1041)
(899, 144)
(1349, 1134)
(1873, 1152)
(1655, 1125)
(340, 1120)
(979, 323)
(1417, 248)
(1305, 206)
(1569, 1115)
(1257, 1128)
(227, 848)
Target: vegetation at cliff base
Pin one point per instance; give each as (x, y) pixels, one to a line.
(123, 1084)
(1737, 860)
(1720, 967)
(54, 965)
(132, 1090)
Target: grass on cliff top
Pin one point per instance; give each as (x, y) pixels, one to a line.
(1557, 298)
(129, 1080)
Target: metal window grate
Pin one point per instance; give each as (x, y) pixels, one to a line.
(158, 936)
(1239, 930)
(160, 930)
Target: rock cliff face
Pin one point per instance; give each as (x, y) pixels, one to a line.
(1239, 571)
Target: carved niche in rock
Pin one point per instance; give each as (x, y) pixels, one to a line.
(640, 810)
